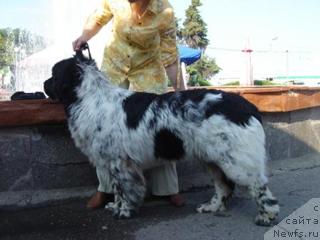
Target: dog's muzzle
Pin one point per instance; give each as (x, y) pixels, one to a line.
(49, 89)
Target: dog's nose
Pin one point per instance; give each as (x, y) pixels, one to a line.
(45, 84)
(48, 89)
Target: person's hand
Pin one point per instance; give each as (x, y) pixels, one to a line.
(78, 43)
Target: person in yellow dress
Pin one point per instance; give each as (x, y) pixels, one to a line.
(141, 55)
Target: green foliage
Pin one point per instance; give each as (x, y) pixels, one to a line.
(195, 29)
(256, 83)
(196, 79)
(180, 39)
(11, 39)
(6, 48)
(30, 42)
(201, 71)
(206, 67)
(264, 83)
(233, 83)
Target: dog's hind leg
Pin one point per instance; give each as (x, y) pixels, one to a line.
(129, 188)
(267, 204)
(251, 175)
(223, 190)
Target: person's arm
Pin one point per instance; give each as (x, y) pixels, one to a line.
(90, 29)
(94, 24)
(174, 73)
(169, 51)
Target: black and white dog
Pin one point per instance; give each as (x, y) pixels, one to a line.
(124, 132)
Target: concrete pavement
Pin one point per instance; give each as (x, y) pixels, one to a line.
(293, 181)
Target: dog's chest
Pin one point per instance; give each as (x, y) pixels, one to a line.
(82, 137)
(96, 134)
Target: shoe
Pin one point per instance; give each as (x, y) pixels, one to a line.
(99, 200)
(176, 200)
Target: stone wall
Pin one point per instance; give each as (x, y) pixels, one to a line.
(292, 134)
(40, 164)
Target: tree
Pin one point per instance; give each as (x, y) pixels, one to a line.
(180, 39)
(201, 71)
(10, 39)
(194, 34)
(6, 48)
(194, 29)
(206, 67)
(30, 42)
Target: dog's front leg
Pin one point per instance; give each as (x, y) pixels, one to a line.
(114, 206)
(129, 188)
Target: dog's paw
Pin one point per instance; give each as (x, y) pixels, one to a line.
(265, 220)
(111, 206)
(210, 207)
(124, 214)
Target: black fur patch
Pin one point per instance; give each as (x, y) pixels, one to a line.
(176, 101)
(234, 107)
(186, 104)
(168, 146)
(135, 107)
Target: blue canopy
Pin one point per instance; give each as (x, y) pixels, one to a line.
(189, 55)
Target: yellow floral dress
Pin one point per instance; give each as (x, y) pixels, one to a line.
(140, 48)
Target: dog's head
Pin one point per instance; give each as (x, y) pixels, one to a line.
(66, 76)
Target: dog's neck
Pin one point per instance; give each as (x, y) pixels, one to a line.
(94, 84)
